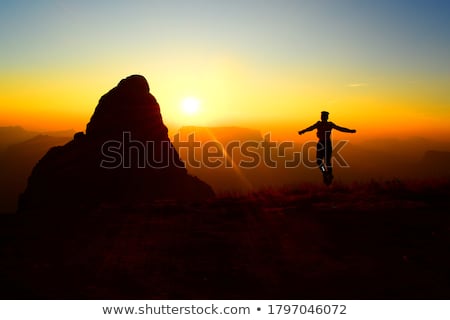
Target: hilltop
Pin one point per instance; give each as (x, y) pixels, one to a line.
(386, 240)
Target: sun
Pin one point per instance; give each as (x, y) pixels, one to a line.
(190, 105)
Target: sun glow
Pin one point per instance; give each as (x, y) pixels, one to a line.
(190, 105)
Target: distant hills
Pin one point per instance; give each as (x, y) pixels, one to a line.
(13, 135)
(18, 159)
(436, 162)
(411, 158)
(16, 134)
(411, 148)
(379, 159)
(221, 134)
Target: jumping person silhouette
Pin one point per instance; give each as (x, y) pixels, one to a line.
(324, 146)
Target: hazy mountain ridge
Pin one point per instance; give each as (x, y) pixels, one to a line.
(374, 159)
(12, 135)
(16, 164)
(221, 134)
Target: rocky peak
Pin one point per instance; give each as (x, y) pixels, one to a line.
(75, 174)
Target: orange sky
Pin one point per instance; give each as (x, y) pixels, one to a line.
(271, 66)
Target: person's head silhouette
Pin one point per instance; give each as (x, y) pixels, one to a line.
(324, 115)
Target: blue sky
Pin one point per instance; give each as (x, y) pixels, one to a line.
(382, 45)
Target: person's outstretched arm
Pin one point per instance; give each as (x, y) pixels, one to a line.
(314, 126)
(342, 129)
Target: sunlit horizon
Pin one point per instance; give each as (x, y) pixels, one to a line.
(382, 68)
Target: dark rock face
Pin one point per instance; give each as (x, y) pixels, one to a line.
(125, 156)
(129, 107)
